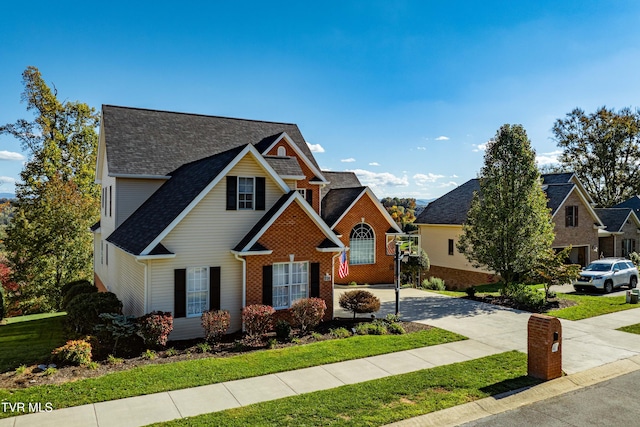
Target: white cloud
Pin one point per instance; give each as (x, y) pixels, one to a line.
(421, 179)
(448, 184)
(316, 148)
(349, 160)
(548, 158)
(454, 176)
(374, 164)
(421, 148)
(480, 147)
(442, 138)
(10, 155)
(380, 179)
(7, 180)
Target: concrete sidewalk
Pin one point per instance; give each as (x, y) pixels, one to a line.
(593, 351)
(143, 410)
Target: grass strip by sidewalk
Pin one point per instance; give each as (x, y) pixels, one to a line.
(174, 376)
(29, 339)
(632, 329)
(590, 306)
(381, 401)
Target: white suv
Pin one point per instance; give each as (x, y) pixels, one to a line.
(607, 274)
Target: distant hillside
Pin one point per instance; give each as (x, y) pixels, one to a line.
(7, 196)
(423, 202)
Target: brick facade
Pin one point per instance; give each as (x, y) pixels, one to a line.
(382, 270)
(460, 279)
(308, 173)
(294, 232)
(544, 359)
(584, 235)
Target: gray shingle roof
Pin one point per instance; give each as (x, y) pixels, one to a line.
(159, 210)
(633, 203)
(150, 142)
(285, 166)
(337, 201)
(452, 208)
(613, 218)
(339, 180)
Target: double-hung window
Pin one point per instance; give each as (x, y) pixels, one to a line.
(197, 291)
(628, 246)
(290, 283)
(245, 193)
(571, 216)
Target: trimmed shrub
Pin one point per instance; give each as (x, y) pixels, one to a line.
(67, 286)
(283, 330)
(83, 311)
(525, 296)
(307, 313)
(81, 287)
(359, 301)
(373, 328)
(117, 327)
(215, 324)
(396, 329)
(76, 352)
(154, 328)
(257, 319)
(434, 284)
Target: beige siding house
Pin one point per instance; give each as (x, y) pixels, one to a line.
(576, 224)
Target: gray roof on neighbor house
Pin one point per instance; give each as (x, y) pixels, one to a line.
(613, 218)
(151, 142)
(285, 166)
(633, 203)
(339, 180)
(337, 201)
(169, 201)
(452, 208)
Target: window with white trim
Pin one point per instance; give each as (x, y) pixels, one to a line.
(245, 193)
(197, 291)
(302, 191)
(282, 152)
(290, 283)
(362, 245)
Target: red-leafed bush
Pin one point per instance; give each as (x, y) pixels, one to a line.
(215, 324)
(155, 327)
(76, 352)
(307, 313)
(257, 319)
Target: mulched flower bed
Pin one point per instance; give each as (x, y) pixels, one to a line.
(552, 303)
(231, 345)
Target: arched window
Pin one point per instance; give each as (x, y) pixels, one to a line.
(282, 152)
(362, 244)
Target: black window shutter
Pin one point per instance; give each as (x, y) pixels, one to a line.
(309, 192)
(267, 285)
(214, 288)
(232, 193)
(260, 193)
(314, 291)
(567, 216)
(180, 293)
(575, 223)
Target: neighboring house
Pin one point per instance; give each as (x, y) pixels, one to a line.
(621, 233)
(633, 203)
(576, 224)
(201, 212)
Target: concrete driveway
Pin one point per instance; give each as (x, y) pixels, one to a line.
(586, 343)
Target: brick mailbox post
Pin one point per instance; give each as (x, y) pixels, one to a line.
(544, 347)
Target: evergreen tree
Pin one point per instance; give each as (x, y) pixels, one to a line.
(48, 242)
(508, 226)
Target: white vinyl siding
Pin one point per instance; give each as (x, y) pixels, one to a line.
(131, 193)
(129, 282)
(205, 237)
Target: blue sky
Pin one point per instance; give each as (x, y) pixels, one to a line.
(404, 93)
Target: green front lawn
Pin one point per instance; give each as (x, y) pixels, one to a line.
(173, 376)
(633, 329)
(382, 401)
(25, 340)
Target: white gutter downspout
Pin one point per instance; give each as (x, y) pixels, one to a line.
(244, 279)
(146, 282)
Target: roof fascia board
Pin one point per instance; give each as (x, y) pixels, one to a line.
(312, 214)
(329, 249)
(151, 257)
(298, 151)
(102, 150)
(293, 177)
(248, 149)
(378, 205)
(583, 190)
(422, 224)
(249, 253)
(135, 176)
